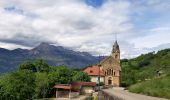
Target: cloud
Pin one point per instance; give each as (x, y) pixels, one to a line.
(84, 26)
(11, 46)
(70, 23)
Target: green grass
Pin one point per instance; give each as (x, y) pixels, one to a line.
(158, 87)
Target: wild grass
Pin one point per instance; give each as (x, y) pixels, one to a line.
(159, 87)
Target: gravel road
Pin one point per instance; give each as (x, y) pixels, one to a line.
(120, 92)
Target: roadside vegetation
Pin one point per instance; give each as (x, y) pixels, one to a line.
(159, 87)
(34, 80)
(148, 74)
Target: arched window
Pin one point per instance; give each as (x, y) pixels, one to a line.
(114, 73)
(110, 71)
(116, 56)
(107, 72)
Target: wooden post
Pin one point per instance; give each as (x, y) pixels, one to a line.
(56, 93)
(70, 92)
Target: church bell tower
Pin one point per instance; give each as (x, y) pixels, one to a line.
(116, 51)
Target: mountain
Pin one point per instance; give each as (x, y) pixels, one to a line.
(53, 55)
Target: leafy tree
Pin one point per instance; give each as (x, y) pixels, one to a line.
(81, 76)
(61, 75)
(42, 85)
(27, 66)
(41, 66)
(18, 86)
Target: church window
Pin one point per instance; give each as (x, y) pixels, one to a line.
(107, 72)
(110, 71)
(116, 56)
(114, 73)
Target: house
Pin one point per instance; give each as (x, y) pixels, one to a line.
(110, 69)
(94, 72)
(74, 89)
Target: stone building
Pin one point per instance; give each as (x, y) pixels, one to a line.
(111, 67)
(110, 70)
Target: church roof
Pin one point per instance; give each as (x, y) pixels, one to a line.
(111, 62)
(115, 47)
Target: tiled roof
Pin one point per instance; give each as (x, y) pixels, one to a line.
(93, 71)
(74, 85)
(84, 83)
(63, 86)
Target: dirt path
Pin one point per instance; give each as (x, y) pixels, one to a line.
(120, 92)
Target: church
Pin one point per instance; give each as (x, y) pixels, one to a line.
(108, 69)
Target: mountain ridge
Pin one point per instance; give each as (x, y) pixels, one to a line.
(53, 55)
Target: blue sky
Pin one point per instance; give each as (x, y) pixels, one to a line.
(86, 25)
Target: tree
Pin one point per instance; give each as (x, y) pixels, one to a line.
(41, 65)
(42, 85)
(18, 86)
(27, 66)
(61, 75)
(81, 76)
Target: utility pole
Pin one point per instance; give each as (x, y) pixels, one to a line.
(99, 65)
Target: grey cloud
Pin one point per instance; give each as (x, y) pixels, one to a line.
(70, 23)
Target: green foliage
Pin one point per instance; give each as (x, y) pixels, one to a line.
(36, 80)
(42, 85)
(41, 66)
(140, 75)
(60, 75)
(27, 66)
(156, 87)
(145, 67)
(17, 86)
(80, 76)
(38, 66)
(89, 98)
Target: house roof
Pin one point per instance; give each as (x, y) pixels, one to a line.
(63, 86)
(93, 71)
(74, 85)
(83, 83)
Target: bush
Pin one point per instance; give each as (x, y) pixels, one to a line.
(89, 98)
(157, 87)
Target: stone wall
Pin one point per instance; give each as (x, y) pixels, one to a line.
(66, 94)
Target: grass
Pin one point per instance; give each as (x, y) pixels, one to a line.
(158, 87)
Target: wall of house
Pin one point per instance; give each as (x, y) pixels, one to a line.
(87, 90)
(95, 79)
(74, 94)
(66, 94)
(63, 94)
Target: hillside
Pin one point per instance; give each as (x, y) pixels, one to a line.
(148, 74)
(159, 87)
(53, 55)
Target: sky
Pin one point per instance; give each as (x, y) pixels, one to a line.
(139, 26)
